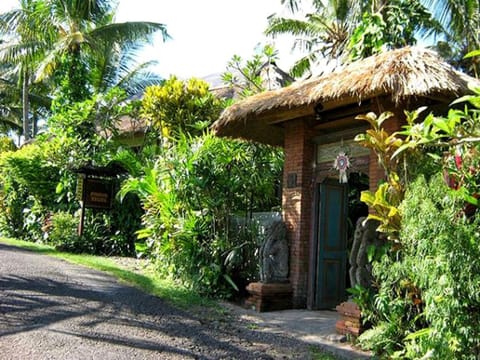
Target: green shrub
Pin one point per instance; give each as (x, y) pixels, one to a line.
(63, 231)
(189, 197)
(444, 246)
(27, 186)
(6, 144)
(428, 300)
(427, 287)
(103, 233)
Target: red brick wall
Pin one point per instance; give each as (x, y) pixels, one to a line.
(297, 204)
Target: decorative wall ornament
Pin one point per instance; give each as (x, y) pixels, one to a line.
(342, 163)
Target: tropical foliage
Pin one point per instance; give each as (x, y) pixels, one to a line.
(177, 108)
(190, 196)
(192, 186)
(392, 25)
(461, 25)
(38, 181)
(253, 76)
(74, 48)
(323, 34)
(425, 300)
(331, 33)
(78, 74)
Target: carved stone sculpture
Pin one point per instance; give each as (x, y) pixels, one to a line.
(274, 254)
(365, 235)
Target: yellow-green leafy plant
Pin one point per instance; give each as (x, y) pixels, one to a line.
(385, 200)
(178, 106)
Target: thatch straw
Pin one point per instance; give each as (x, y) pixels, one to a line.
(402, 73)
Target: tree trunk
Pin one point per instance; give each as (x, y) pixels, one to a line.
(25, 103)
(34, 124)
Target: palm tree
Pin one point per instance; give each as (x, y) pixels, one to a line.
(461, 21)
(390, 25)
(323, 34)
(10, 107)
(83, 29)
(23, 45)
(65, 40)
(343, 30)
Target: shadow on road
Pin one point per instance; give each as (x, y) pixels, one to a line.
(39, 293)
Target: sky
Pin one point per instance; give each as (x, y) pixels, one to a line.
(205, 34)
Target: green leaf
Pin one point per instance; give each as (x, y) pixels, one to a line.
(371, 250)
(144, 233)
(442, 124)
(59, 188)
(472, 99)
(419, 334)
(468, 197)
(402, 148)
(472, 54)
(230, 281)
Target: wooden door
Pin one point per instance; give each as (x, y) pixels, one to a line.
(330, 241)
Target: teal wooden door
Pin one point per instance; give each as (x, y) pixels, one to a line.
(331, 244)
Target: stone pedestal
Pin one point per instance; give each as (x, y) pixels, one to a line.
(350, 319)
(269, 296)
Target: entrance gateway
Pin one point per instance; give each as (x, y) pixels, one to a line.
(313, 120)
(335, 213)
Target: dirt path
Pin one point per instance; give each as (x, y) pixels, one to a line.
(50, 309)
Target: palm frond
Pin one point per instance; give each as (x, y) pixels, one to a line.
(300, 67)
(9, 21)
(139, 79)
(279, 26)
(26, 51)
(49, 63)
(128, 31)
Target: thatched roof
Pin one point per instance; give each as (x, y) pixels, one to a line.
(401, 73)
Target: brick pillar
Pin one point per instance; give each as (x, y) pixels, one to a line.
(297, 200)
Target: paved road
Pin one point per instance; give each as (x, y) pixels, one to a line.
(50, 309)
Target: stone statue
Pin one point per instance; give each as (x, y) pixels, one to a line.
(365, 235)
(274, 254)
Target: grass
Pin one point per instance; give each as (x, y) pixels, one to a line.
(147, 280)
(318, 354)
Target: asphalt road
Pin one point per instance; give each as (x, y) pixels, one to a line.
(50, 309)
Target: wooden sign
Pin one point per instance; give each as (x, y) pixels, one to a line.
(97, 193)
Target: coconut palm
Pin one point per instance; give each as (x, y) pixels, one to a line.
(23, 45)
(461, 21)
(391, 25)
(343, 30)
(323, 34)
(65, 40)
(84, 29)
(10, 107)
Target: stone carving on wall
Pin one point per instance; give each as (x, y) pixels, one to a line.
(274, 254)
(365, 235)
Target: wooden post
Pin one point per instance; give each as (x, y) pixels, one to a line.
(82, 211)
(82, 220)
